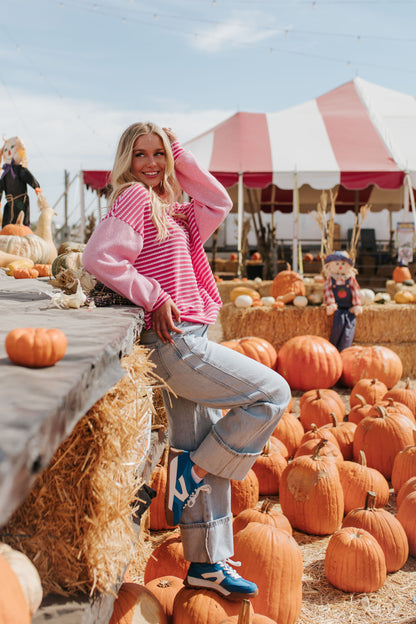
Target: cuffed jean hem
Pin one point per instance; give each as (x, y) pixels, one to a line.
(216, 457)
(217, 535)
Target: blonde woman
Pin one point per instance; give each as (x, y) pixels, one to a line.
(149, 249)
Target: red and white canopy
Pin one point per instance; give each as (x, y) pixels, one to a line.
(356, 135)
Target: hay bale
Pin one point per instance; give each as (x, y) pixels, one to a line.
(76, 525)
(390, 323)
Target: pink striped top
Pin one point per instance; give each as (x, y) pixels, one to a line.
(124, 254)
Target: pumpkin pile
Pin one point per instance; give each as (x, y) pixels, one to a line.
(332, 466)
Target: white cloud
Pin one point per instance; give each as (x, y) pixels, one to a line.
(244, 29)
(74, 134)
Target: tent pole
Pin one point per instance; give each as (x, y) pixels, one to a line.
(295, 243)
(82, 206)
(240, 218)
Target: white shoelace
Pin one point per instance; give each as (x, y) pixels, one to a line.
(192, 498)
(227, 567)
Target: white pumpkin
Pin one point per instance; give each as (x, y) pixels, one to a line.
(382, 297)
(315, 298)
(300, 301)
(268, 300)
(27, 575)
(367, 296)
(243, 301)
(29, 246)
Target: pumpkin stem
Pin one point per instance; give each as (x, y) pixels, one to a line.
(370, 501)
(267, 448)
(244, 617)
(318, 394)
(164, 583)
(319, 446)
(334, 419)
(266, 506)
(361, 399)
(381, 411)
(362, 459)
(407, 383)
(414, 436)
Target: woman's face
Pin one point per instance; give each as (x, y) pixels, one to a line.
(148, 160)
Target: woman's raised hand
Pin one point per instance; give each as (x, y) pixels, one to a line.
(171, 135)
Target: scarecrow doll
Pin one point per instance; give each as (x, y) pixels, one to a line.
(14, 180)
(342, 298)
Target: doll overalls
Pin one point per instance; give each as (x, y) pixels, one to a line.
(343, 326)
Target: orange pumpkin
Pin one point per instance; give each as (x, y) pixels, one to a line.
(406, 395)
(272, 559)
(44, 270)
(363, 566)
(167, 556)
(406, 515)
(330, 450)
(25, 273)
(268, 467)
(407, 488)
(256, 256)
(360, 410)
(13, 604)
(401, 273)
(370, 362)
(135, 601)
(343, 433)
(268, 513)
(404, 465)
(256, 348)
(289, 430)
(316, 407)
(165, 589)
(308, 362)
(385, 527)
(381, 436)
(357, 479)
(246, 617)
(157, 515)
(310, 484)
(244, 493)
(286, 282)
(16, 229)
(202, 606)
(36, 347)
(372, 391)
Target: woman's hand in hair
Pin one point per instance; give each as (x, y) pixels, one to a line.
(163, 320)
(171, 135)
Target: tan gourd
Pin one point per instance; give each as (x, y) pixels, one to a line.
(43, 227)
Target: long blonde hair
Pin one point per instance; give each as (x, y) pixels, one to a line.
(122, 177)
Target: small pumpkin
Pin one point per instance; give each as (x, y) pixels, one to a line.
(246, 617)
(44, 270)
(25, 273)
(371, 390)
(289, 430)
(408, 487)
(406, 515)
(16, 229)
(357, 479)
(385, 527)
(404, 465)
(300, 301)
(287, 281)
(165, 589)
(167, 556)
(317, 405)
(404, 296)
(401, 273)
(135, 601)
(405, 395)
(243, 290)
(267, 514)
(243, 301)
(268, 467)
(363, 566)
(244, 493)
(35, 347)
(18, 264)
(367, 296)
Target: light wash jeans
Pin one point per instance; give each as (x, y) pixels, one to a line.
(207, 377)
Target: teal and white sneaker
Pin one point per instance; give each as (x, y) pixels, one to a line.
(181, 489)
(222, 578)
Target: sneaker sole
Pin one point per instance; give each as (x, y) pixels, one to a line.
(170, 483)
(232, 596)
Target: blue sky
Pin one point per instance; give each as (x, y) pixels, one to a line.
(75, 73)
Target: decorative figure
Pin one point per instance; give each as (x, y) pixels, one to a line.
(342, 298)
(14, 180)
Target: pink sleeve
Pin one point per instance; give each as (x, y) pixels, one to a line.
(212, 202)
(109, 256)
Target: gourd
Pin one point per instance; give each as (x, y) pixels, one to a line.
(375, 362)
(27, 575)
(268, 300)
(35, 347)
(135, 601)
(20, 263)
(25, 273)
(382, 298)
(404, 296)
(243, 290)
(300, 301)
(44, 270)
(354, 561)
(43, 227)
(256, 348)
(385, 527)
(243, 301)
(7, 258)
(272, 559)
(29, 246)
(321, 362)
(367, 296)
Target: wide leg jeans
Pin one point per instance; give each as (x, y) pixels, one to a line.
(207, 378)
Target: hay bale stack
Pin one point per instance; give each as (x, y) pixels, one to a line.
(76, 525)
(391, 325)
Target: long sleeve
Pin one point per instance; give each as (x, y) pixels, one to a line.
(328, 292)
(211, 201)
(109, 256)
(355, 291)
